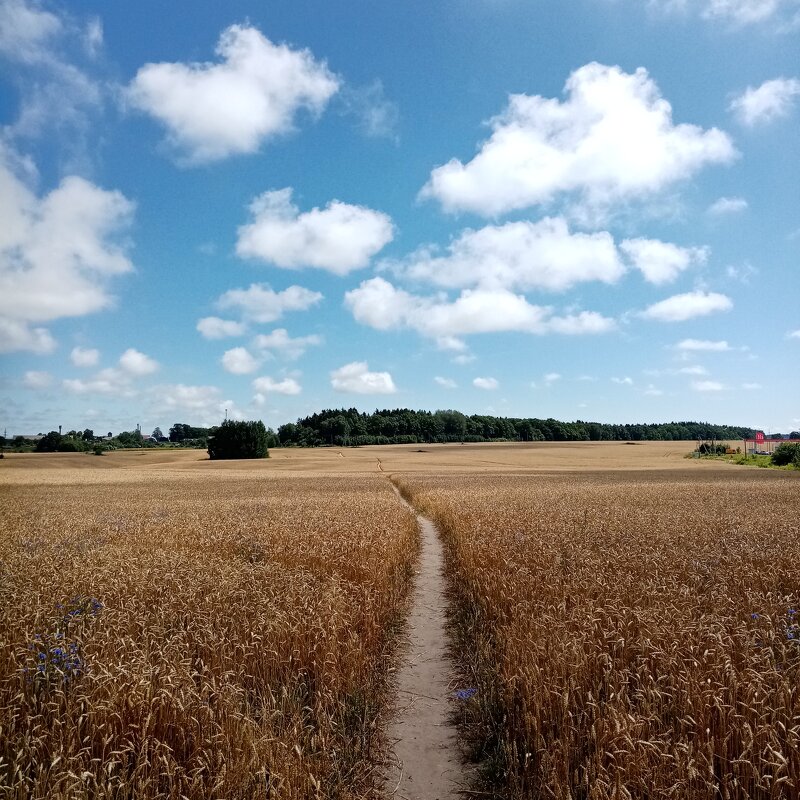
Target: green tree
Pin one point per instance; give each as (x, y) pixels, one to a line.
(88, 435)
(238, 440)
(335, 429)
(787, 453)
(130, 438)
(178, 432)
(49, 443)
(157, 433)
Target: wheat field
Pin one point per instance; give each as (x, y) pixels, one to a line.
(628, 636)
(627, 623)
(210, 635)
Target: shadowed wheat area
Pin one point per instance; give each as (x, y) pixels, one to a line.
(210, 635)
(628, 636)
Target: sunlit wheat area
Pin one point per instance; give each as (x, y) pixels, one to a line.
(206, 636)
(630, 636)
(624, 627)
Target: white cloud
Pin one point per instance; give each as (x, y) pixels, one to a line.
(584, 322)
(136, 363)
(681, 307)
(203, 405)
(84, 356)
(727, 205)
(377, 116)
(339, 238)
(238, 361)
(446, 383)
(626, 381)
(707, 386)
(62, 99)
(696, 369)
(551, 377)
(16, 335)
(357, 379)
(93, 36)
(37, 380)
(189, 398)
(287, 386)
(518, 255)
(703, 345)
(451, 343)
(737, 12)
(652, 391)
(794, 334)
(378, 304)
(742, 273)
(772, 100)
(752, 386)
(214, 110)
(463, 358)
(280, 343)
(57, 255)
(216, 328)
(745, 12)
(661, 262)
(111, 381)
(26, 31)
(261, 304)
(611, 139)
(487, 384)
(56, 96)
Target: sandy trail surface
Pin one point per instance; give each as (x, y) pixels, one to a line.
(425, 762)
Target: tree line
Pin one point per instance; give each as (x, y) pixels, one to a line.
(353, 428)
(77, 441)
(350, 427)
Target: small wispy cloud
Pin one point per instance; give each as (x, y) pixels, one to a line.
(707, 386)
(727, 205)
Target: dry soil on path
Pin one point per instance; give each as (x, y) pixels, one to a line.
(425, 762)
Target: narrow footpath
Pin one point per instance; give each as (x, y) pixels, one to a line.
(425, 763)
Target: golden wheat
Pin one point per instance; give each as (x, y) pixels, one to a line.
(214, 635)
(629, 636)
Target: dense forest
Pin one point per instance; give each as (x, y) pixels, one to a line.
(350, 427)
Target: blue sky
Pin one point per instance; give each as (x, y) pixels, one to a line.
(584, 210)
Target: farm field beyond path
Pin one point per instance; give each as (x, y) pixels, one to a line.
(488, 457)
(626, 620)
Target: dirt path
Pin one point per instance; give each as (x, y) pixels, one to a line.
(425, 763)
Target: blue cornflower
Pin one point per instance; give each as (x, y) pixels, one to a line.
(754, 616)
(466, 694)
